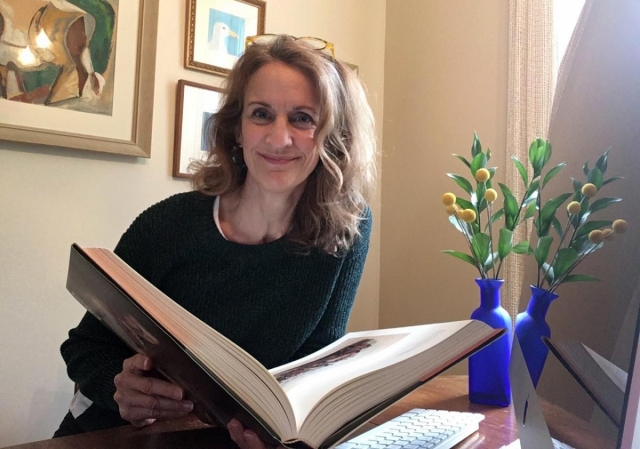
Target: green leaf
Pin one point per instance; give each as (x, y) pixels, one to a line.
(491, 260)
(579, 278)
(465, 204)
(585, 168)
(584, 216)
(466, 162)
(548, 212)
(565, 258)
(521, 169)
(488, 153)
(476, 147)
(462, 256)
(522, 248)
(479, 161)
(586, 228)
(481, 244)
(595, 177)
(542, 250)
(540, 156)
(511, 207)
(495, 217)
(582, 245)
(603, 203)
(504, 243)
(454, 221)
(481, 203)
(602, 162)
(531, 210)
(610, 180)
(533, 148)
(557, 226)
(462, 182)
(577, 185)
(551, 173)
(549, 276)
(532, 191)
(547, 153)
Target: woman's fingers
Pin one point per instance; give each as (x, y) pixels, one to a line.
(245, 439)
(236, 431)
(139, 400)
(137, 364)
(139, 416)
(142, 399)
(147, 385)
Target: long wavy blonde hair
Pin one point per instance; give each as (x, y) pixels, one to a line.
(336, 194)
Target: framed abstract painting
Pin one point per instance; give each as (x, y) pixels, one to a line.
(195, 104)
(69, 78)
(216, 32)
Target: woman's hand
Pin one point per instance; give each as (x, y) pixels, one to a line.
(245, 439)
(142, 399)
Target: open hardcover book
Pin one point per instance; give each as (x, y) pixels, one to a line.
(316, 401)
(601, 379)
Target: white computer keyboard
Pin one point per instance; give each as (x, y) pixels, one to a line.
(418, 428)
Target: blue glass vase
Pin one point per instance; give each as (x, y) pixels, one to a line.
(489, 367)
(531, 326)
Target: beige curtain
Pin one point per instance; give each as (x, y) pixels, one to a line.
(530, 94)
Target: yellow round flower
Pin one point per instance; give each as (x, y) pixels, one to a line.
(573, 208)
(452, 209)
(589, 190)
(448, 199)
(468, 215)
(491, 195)
(482, 175)
(620, 226)
(608, 234)
(596, 236)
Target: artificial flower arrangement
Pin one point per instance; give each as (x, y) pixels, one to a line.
(486, 254)
(577, 239)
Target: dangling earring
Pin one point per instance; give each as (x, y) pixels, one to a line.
(237, 157)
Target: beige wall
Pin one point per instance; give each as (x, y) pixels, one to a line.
(50, 198)
(445, 76)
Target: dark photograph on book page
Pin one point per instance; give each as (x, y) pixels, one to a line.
(348, 352)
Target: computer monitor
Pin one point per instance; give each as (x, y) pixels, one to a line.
(615, 391)
(629, 434)
(596, 108)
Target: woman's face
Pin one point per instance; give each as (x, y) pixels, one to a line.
(279, 118)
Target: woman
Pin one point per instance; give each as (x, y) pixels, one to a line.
(269, 247)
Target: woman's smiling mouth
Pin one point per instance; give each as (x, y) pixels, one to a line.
(277, 160)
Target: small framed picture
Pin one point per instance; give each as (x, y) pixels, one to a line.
(195, 103)
(216, 32)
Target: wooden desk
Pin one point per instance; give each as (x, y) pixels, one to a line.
(445, 392)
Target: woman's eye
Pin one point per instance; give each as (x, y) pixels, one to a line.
(260, 115)
(302, 120)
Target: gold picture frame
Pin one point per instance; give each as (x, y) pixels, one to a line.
(142, 64)
(195, 103)
(216, 31)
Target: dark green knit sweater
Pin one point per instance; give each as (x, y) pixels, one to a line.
(275, 304)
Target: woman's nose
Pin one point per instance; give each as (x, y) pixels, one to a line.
(279, 135)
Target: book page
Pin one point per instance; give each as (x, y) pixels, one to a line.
(308, 380)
